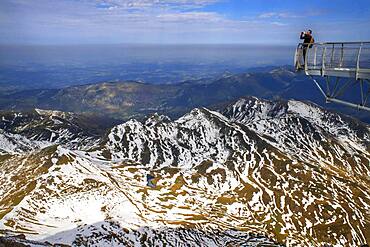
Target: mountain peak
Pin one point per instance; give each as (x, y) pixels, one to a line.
(200, 114)
(250, 108)
(156, 119)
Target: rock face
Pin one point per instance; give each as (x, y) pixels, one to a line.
(258, 172)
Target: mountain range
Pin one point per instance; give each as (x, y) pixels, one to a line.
(132, 99)
(253, 172)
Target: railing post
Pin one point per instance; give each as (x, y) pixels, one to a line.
(297, 57)
(314, 58)
(305, 60)
(358, 61)
(332, 56)
(341, 56)
(323, 62)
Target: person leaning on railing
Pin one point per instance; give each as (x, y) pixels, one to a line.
(307, 39)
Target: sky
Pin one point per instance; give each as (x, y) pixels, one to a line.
(181, 22)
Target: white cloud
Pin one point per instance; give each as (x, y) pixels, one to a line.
(278, 15)
(286, 15)
(163, 4)
(190, 17)
(118, 21)
(278, 23)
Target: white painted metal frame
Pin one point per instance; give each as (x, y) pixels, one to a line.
(352, 64)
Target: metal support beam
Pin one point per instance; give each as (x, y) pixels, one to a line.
(319, 87)
(332, 98)
(357, 106)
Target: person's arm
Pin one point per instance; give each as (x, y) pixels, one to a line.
(303, 35)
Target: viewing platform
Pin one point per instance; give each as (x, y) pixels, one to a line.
(347, 63)
(339, 59)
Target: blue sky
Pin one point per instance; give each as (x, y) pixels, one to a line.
(181, 21)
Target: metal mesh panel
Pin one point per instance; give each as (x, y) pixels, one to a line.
(314, 56)
(364, 62)
(341, 56)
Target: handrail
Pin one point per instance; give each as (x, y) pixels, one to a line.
(338, 43)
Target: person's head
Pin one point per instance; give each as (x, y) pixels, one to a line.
(309, 31)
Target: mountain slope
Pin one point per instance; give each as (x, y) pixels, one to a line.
(305, 131)
(260, 172)
(32, 130)
(126, 99)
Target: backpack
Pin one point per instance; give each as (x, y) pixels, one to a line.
(311, 42)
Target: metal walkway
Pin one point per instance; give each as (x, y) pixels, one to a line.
(342, 64)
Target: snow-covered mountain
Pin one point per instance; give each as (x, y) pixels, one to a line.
(306, 132)
(259, 172)
(32, 130)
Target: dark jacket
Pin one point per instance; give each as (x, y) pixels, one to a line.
(306, 38)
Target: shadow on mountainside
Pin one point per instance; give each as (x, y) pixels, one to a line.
(110, 233)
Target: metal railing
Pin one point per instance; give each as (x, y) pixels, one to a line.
(338, 60)
(343, 59)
